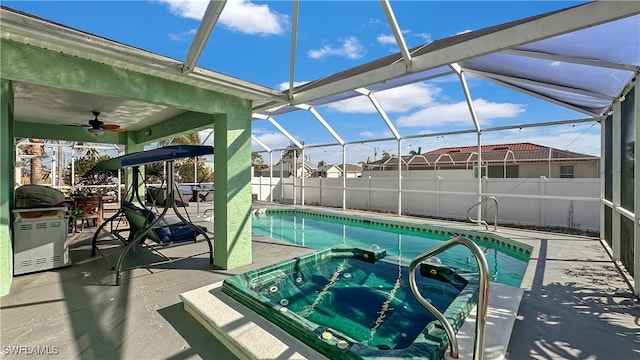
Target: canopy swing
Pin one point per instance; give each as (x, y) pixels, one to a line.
(144, 223)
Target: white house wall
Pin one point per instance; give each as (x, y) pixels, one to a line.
(582, 169)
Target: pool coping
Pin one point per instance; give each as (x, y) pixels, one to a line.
(249, 336)
(245, 333)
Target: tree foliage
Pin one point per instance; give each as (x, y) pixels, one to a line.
(257, 162)
(86, 174)
(185, 168)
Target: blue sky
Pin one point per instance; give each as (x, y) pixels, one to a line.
(252, 42)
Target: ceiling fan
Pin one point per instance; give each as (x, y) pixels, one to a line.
(97, 127)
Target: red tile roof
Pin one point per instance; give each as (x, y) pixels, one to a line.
(497, 153)
(487, 148)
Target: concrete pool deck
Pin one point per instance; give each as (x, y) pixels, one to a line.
(575, 305)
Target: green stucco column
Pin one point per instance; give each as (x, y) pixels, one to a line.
(232, 195)
(132, 146)
(7, 172)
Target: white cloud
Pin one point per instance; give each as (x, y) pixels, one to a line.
(274, 140)
(389, 39)
(238, 15)
(285, 85)
(376, 135)
(425, 36)
(458, 113)
(400, 99)
(386, 39)
(183, 35)
(350, 48)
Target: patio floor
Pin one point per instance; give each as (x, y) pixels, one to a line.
(576, 303)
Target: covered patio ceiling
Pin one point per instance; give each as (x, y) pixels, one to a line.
(581, 58)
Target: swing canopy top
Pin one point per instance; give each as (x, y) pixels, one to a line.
(163, 154)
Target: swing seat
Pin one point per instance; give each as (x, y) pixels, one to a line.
(163, 233)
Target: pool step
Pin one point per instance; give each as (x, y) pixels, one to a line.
(242, 331)
(249, 336)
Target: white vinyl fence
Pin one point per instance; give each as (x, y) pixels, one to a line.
(567, 203)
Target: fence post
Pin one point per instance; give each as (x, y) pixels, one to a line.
(320, 186)
(438, 195)
(483, 190)
(541, 202)
(369, 193)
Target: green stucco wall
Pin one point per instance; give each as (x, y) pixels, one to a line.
(7, 149)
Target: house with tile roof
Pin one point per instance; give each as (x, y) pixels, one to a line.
(518, 160)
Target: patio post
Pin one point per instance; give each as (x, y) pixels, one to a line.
(132, 146)
(232, 197)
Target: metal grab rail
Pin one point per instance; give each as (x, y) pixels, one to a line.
(483, 294)
(480, 221)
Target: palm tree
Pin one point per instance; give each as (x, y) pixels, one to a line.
(87, 150)
(321, 170)
(365, 162)
(35, 150)
(416, 152)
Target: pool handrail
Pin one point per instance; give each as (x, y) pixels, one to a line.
(480, 221)
(483, 293)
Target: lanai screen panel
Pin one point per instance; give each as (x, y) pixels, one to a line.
(611, 42)
(567, 82)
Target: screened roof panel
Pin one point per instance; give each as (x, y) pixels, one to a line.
(605, 42)
(590, 104)
(584, 69)
(412, 78)
(580, 77)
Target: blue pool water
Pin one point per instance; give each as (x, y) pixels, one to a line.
(507, 259)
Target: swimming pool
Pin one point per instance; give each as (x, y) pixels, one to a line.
(350, 303)
(507, 259)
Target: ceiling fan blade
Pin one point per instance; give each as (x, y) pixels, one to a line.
(112, 127)
(77, 125)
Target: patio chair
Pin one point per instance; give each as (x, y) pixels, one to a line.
(87, 208)
(143, 220)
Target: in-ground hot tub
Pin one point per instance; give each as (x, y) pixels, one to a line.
(351, 303)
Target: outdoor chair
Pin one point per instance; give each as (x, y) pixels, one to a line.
(86, 209)
(162, 233)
